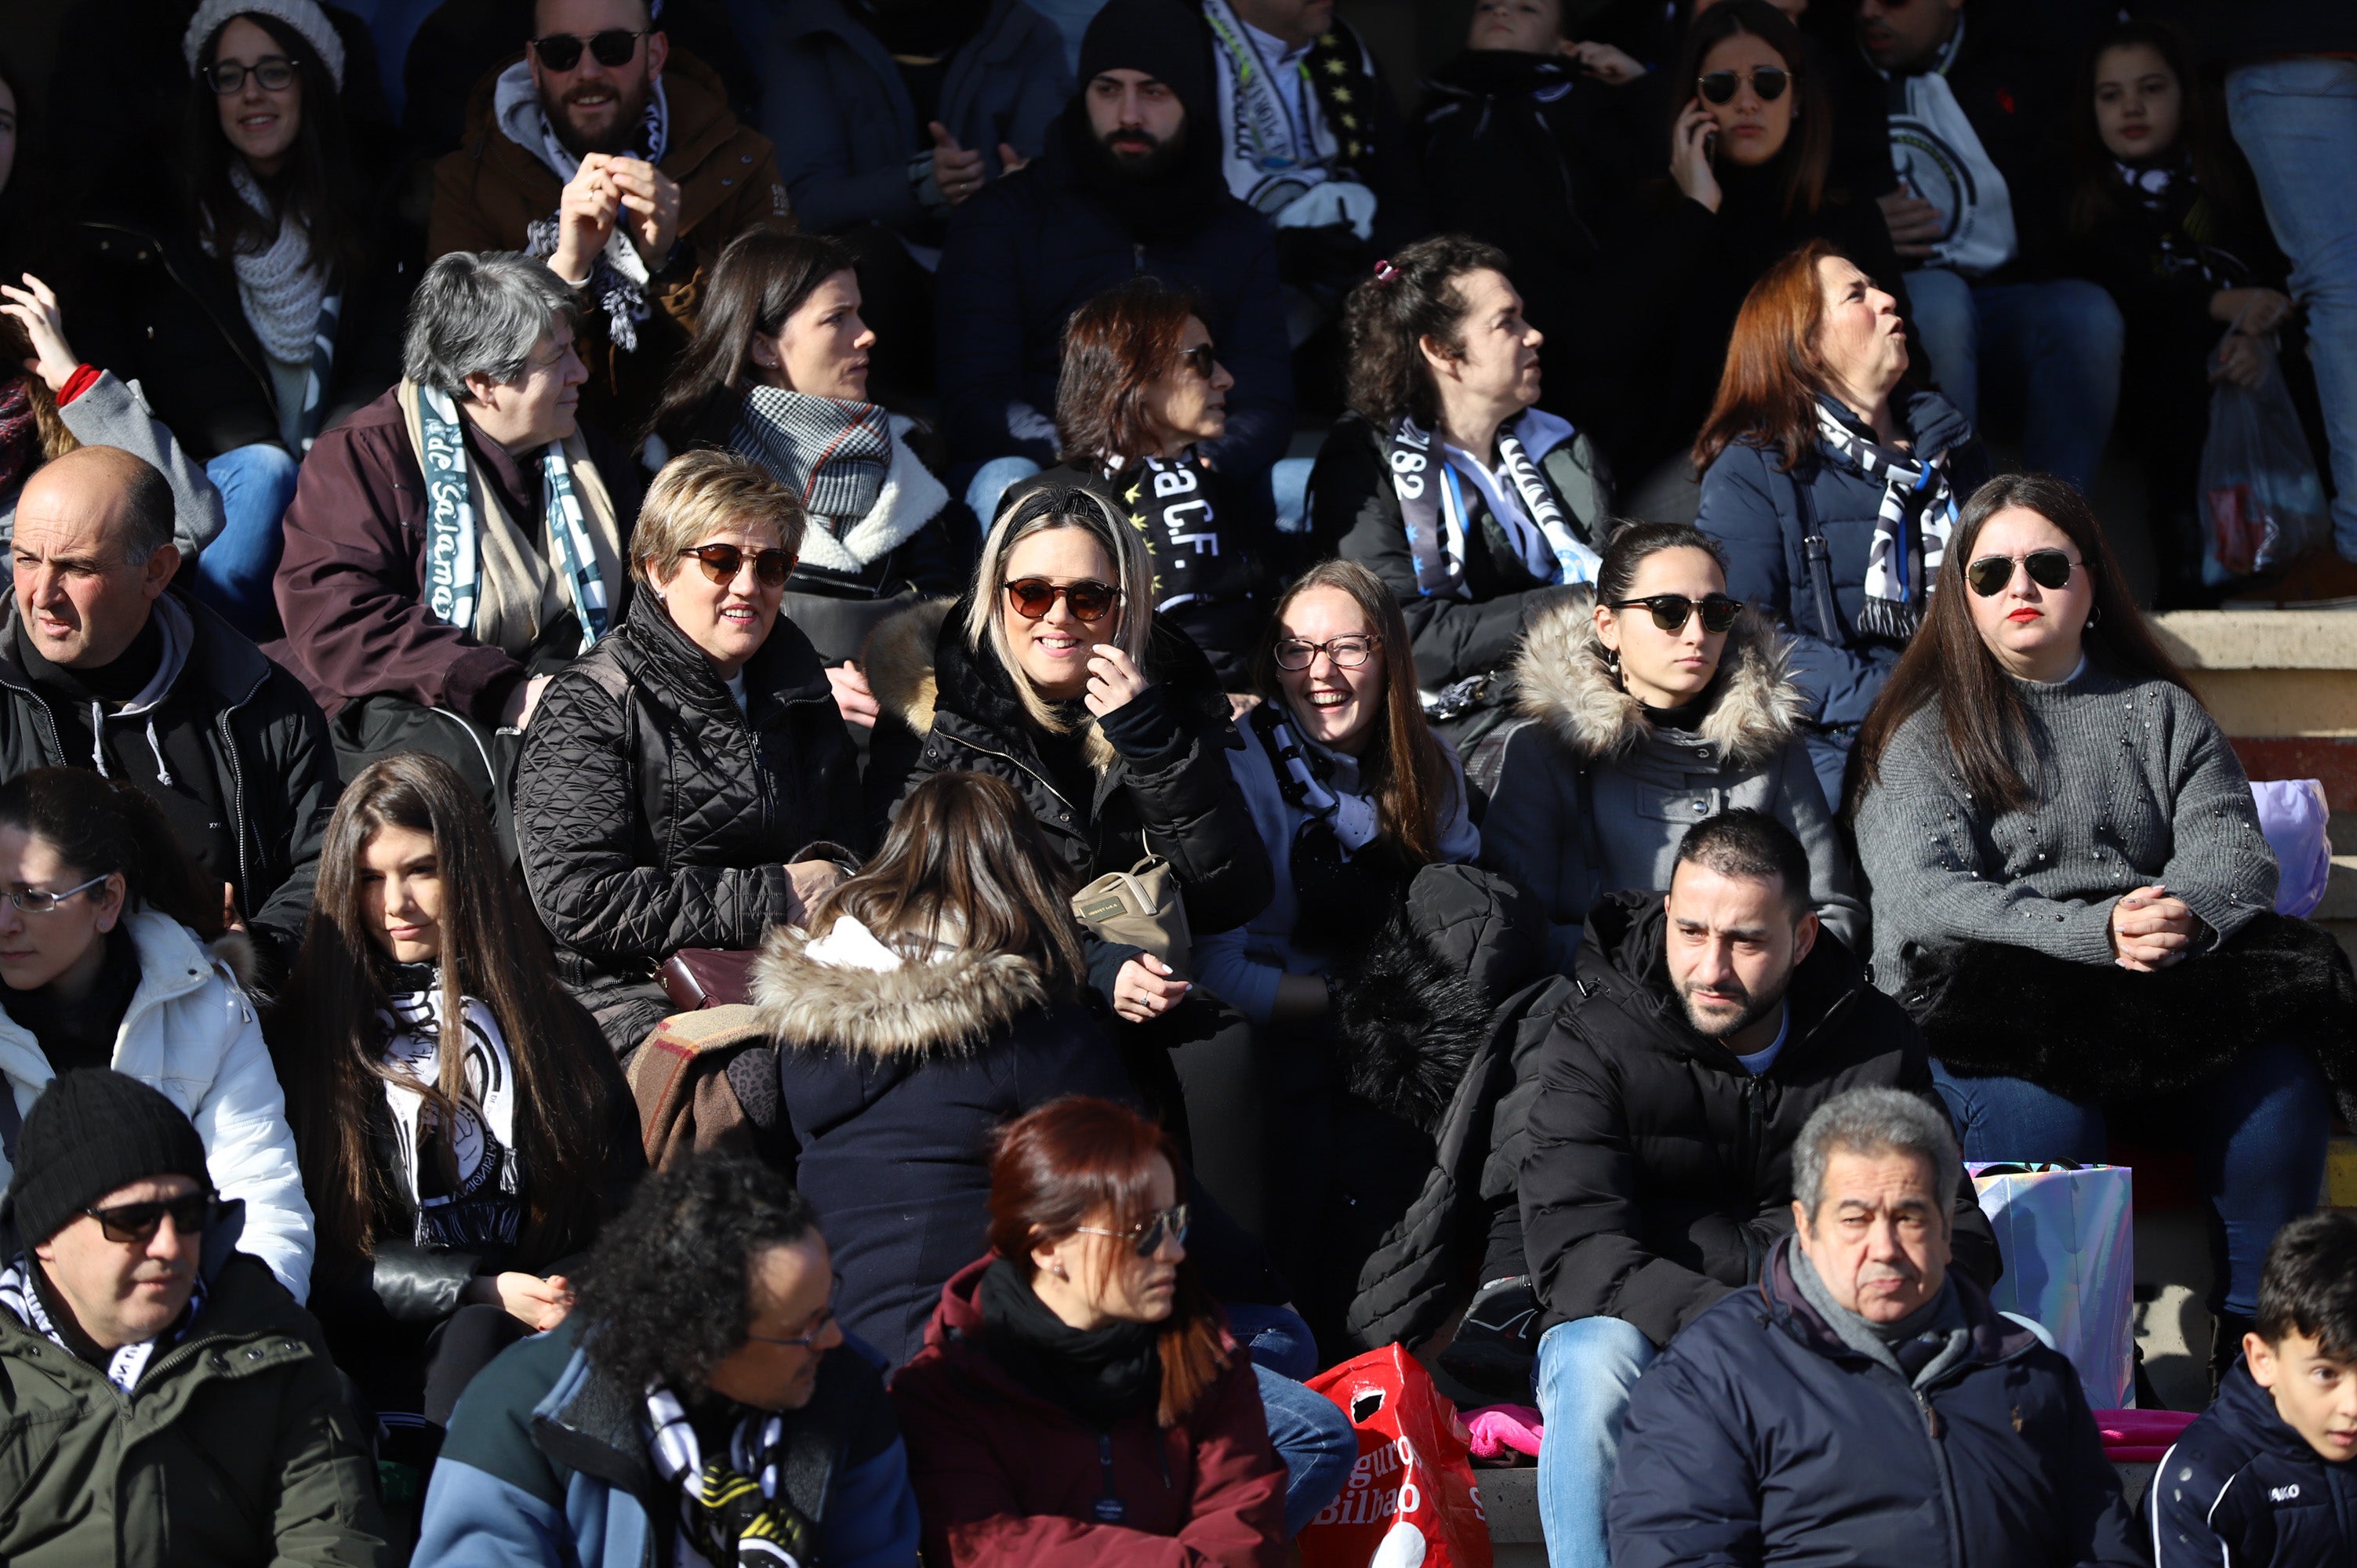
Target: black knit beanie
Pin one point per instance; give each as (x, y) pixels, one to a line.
(1161, 38)
(92, 1132)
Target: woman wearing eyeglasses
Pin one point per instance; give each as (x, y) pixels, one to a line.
(1079, 1399)
(2072, 895)
(689, 783)
(1659, 703)
(113, 952)
(462, 1127)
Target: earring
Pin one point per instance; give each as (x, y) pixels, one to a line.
(2094, 616)
(1060, 1274)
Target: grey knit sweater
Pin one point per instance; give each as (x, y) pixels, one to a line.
(2139, 788)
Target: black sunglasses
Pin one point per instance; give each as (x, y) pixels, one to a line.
(561, 52)
(274, 71)
(1092, 601)
(1203, 358)
(1992, 574)
(1719, 86)
(1670, 610)
(721, 563)
(1146, 1234)
(128, 1223)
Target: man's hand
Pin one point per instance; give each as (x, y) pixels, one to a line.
(957, 173)
(650, 200)
(586, 215)
(1915, 225)
(853, 699)
(809, 881)
(1601, 60)
(540, 1305)
(2151, 929)
(522, 702)
(1009, 160)
(1144, 990)
(34, 308)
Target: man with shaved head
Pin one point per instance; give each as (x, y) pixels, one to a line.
(105, 665)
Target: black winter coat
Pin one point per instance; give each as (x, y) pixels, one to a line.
(949, 709)
(273, 764)
(652, 815)
(1760, 1438)
(1658, 1172)
(893, 1084)
(2242, 1486)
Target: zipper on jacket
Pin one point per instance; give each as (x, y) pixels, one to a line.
(237, 806)
(1935, 1434)
(1754, 1128)
(1015, 762)
(1109, 1509)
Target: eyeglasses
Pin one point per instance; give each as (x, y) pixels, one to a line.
(1670, 610)
(1718, 86)
(275, 73)
(130, 1223)
(1347, 653)
(1992, 574)
(818, 1325)
(1203, 358)
(41, 901)
(560, 52)
(721, 563)
(1092, 601)
(1147, 1235)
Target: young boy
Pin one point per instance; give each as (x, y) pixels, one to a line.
(2267, 1479)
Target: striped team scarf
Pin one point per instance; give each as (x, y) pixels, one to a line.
(731, 1514)
(1911, 531)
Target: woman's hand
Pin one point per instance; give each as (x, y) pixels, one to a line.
(1144, 990)
(1242, 702)
(1113, 679)
(2241, 361)
(35, 307)
(2253, 310)
(2151, 929)
(540, 1305)
(853, 699)
(809, 881)
(1691, 141)
(1604, 62)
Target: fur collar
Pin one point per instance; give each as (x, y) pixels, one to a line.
(944, 1008)
(910, 499)
(1563, 681)
(898, 659)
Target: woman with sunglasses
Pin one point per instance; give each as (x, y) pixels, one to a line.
(2072, 895)
(1832, 477)
(462, 1127)
(689, 783)
(1657, 702)
(1079, 1399)
(115, 953)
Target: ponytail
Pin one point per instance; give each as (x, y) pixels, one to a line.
(102, 826)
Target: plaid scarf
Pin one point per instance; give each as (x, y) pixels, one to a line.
(731, 1514)
(836, 452)
(1911, 530)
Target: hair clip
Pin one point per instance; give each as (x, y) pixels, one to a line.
(1385, 273)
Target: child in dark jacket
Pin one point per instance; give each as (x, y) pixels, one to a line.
(2266, 1477)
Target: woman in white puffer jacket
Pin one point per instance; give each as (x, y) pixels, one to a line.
(113, 954)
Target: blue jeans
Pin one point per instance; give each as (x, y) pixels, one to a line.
(2044, 355)
(990, 482)
(2256, 1131)
(234, 572)
(1308, 1431)
(1586, 1368)
(2297, 121)
(1288, 484)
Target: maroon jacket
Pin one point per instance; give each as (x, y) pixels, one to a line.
(1005, 1478)
(350, 584)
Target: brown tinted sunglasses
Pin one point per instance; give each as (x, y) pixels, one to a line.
(721, 563)
(1092, 601)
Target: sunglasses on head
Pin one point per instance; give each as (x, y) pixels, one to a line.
(1147, 1235)
(721, 563)
(1203, 358)
(1768, 81)
(1092, 601)
(138, 1223)
(562, 51)
(1670, 611)
(1992, 574)
(275, 72)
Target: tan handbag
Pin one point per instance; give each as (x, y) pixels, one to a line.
(1139, 908)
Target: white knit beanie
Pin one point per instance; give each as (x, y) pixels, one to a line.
(303, 16)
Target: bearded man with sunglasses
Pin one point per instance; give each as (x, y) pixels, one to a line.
(185, 1403)
(616, 159)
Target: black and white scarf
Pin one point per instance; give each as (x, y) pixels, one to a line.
(1271, 157)
(1304, 776)
(836, 452)
(22, 1298)
(473, 1201)
(1168, 500)
(1432, 506)
(1911, 530)
(730, 1513)
(617, 280)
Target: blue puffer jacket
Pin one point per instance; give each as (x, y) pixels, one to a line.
(1760, 1438)
(2240, 1486)
(1762, 517)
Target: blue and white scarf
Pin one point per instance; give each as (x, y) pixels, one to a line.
(1432, 506)
(1301, 780)
(1912, 485)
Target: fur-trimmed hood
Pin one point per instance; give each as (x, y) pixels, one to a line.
(947, 1008)
(1563, 681)
(899, 658)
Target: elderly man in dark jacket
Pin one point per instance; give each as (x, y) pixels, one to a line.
(1657, 1173)
(1129, 185)
(1862, 1403)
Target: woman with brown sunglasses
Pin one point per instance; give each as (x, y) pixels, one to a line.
(689, 783)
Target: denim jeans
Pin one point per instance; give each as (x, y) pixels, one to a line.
(2257, 1132)
(1308, 1431)
(1585, 1370)
(2044, 356)
(234, 572)
(2297, 121)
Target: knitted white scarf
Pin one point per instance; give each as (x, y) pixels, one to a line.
(281, 287)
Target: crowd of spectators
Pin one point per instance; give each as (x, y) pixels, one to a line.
(1066, 716)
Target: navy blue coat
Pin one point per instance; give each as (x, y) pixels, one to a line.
(1759, 1436)
(1757, 513)
(2242, 1488)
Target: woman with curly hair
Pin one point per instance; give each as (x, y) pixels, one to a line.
(703, 1356)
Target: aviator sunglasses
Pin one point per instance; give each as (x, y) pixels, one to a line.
(1147, 1235)
(721, 563)
(1092, 601)
(561, 52)
(1670, 611)
(1991, 574)
(1768, 81)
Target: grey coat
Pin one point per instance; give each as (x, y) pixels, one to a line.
(1592, 798)
(108, 413)
(846, 130)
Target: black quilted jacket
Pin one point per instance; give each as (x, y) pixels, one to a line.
(652, 815)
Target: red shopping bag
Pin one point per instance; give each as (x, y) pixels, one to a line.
(1411, 1501)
